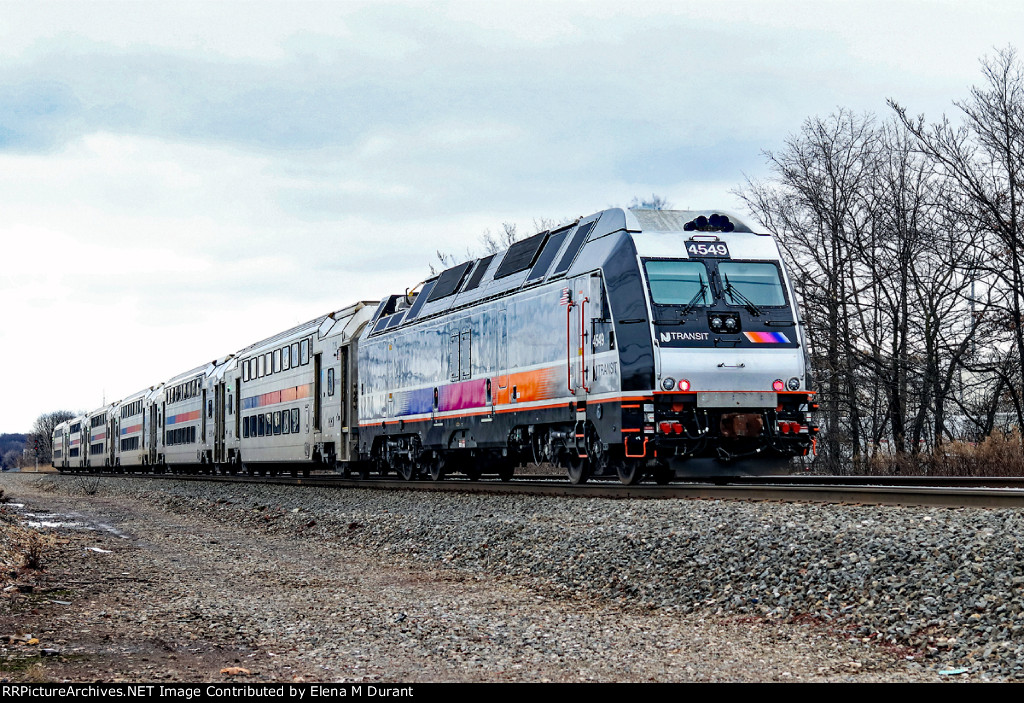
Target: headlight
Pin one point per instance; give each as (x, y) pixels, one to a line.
(669, 383)
(794, 384)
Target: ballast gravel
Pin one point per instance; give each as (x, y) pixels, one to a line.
(359, 584)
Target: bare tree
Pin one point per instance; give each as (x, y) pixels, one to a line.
(41, 435)
(655, 202)
(983, 162)
(815, 203)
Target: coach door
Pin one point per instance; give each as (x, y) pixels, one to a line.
(112, 438)
(154, 422)
(218, 423)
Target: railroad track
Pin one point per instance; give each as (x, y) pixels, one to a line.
(950, 492)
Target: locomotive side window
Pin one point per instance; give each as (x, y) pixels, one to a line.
(330, 381)
(758, 282)
(678, 282)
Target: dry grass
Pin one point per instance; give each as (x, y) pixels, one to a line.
(1001, 454)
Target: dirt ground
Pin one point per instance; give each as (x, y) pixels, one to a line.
(129, 591)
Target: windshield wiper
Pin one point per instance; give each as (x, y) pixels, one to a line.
(731, 290)
(699, 295)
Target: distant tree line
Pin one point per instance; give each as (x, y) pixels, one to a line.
(17, 450)
(905, 239)
(12, 447)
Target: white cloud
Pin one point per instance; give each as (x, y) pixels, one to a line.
(178, 180)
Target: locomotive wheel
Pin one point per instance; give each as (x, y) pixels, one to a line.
(435, 468)
(630, 471)
(579, 469)
(473, 472)
(406, 470)
(506, 470)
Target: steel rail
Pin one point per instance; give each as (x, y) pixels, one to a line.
(866, 490)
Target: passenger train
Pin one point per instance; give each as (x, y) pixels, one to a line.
(630, 343)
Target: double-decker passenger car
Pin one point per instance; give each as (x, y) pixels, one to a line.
(296, 396)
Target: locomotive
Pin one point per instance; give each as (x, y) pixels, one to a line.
(630, 343)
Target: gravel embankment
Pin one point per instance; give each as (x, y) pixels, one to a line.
(908, 593)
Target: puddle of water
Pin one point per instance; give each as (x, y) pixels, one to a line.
(36, 524)
(60, 520)
(54, 520)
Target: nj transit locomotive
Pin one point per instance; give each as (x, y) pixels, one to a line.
(636, 343)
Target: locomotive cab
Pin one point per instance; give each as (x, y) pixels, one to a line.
(730, 377)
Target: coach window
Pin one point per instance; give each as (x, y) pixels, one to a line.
(286, 358)
(277, 422)
(260, 363)
(277, 360)
(268, 360)
(330, 381)
(295, 420)
(304, 351)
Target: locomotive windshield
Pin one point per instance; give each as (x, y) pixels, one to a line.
(678, 282)
(756, 283)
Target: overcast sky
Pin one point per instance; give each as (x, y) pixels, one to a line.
(179, 180)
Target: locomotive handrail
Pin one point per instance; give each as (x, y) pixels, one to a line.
(583, 343)
(568, 346)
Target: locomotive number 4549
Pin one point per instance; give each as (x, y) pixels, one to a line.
(707, 249)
